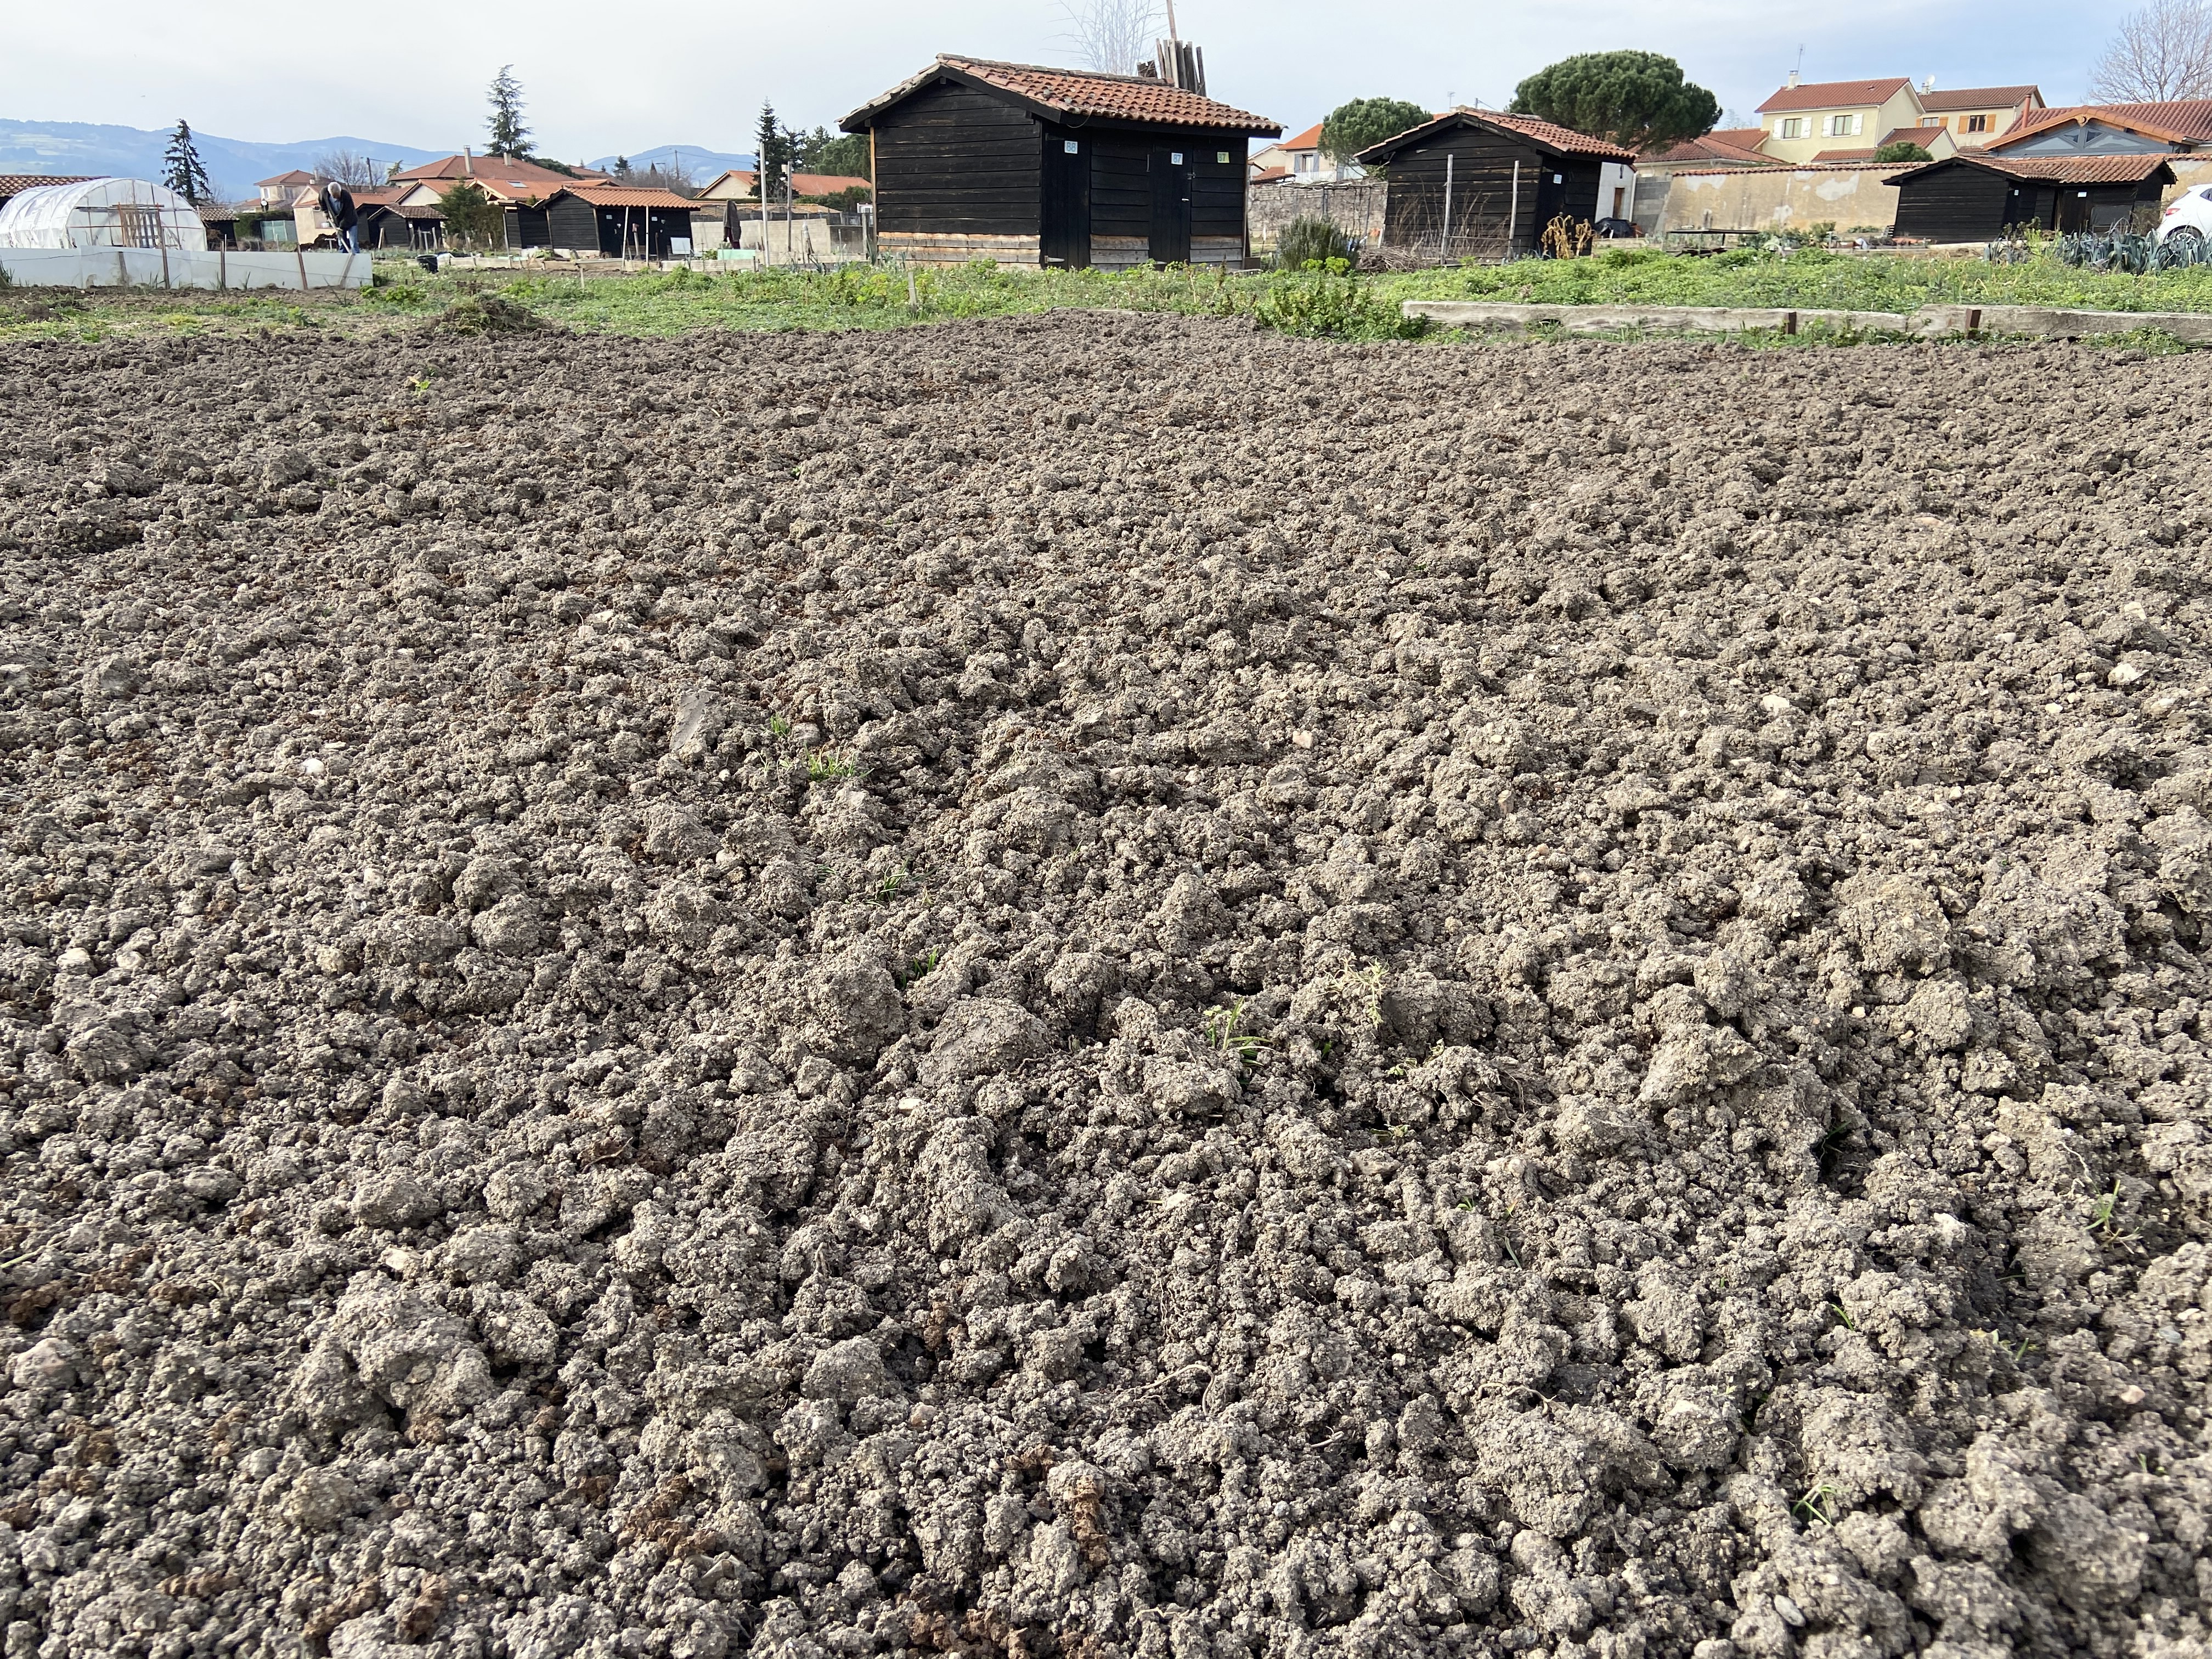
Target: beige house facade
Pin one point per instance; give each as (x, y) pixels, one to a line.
(1800, 121)
(1825, 120)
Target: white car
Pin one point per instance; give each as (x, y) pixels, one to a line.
(2189, 218)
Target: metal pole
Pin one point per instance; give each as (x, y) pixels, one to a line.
(1449, 159)
(1513, 216)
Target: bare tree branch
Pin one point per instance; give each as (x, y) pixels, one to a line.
(348, 168)
(2162, 53)
(1111, 35)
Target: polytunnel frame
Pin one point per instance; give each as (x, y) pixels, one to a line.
(110, 212)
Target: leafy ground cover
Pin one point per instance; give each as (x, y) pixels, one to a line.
(1809, 277)
(1325, 303)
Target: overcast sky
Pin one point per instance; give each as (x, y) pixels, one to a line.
(601, 78)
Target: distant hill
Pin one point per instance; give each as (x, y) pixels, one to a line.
(232, 164)
(700, 163)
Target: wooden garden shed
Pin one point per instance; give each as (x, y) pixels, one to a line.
(1477, 181)
(1972, 197)
(617, 222)
(1027, 166)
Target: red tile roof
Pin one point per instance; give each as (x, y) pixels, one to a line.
(1722, 144)
(627, 196)
(486, 168)
(297, 176)
(15, 183)
(1309, 139)
(1543, 134)
(803, 183)
(1944, 103)
(2186, 121)
(1059, 94)
(2055, 169)
(1268, 175)
(1807, 166)
(1834, 94)
(1920, 136)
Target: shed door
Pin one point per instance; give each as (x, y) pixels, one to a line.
(1064, 231)
(1172, 173)
(2072, 210)
(1551, 195)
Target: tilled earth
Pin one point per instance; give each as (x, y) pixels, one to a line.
(1104, 986)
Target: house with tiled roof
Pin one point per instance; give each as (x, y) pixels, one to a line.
(1836, 120)
(1480, 181)
(742, 184)
(1025, 165)
(1975, 115)
(284, 189)
(1805, 118)
(1298, 159)
(2180, 130)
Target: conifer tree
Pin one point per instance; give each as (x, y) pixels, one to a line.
(509, 137)
(181, 169)
(774, 142)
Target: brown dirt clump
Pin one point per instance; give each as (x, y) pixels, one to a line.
(1100, 986)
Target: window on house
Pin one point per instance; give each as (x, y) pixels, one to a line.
(1978, 123)
(1794, 127)
(1842, 127)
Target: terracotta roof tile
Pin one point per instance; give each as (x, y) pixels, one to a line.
(1542, 133)
(1722, 144)
(485, 168)
(1943, 103)
(1807, 166)
(2071, 169)
(804, 184)
(1083, 93)
(626, 196)
(2188, 121)
(15, 183)
(1920, 136)
(1834, 94)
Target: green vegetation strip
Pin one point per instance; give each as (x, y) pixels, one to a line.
(1328, 302)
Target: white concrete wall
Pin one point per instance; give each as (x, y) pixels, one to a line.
(148, 267)
(1612, 176)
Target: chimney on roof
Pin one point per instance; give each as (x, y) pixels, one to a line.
(1792, 81)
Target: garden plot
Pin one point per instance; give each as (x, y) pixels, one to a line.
(1103, 985)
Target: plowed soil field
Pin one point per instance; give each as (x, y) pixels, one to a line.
(1103, 985)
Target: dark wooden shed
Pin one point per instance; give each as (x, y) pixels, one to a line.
(1476, 181)
(1028, 166)
(617, 222)
(1979, 198)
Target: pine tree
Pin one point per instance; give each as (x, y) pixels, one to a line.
(774, 142)
(182, 171)
(509, 137)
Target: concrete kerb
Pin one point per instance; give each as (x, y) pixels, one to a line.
(1929, 322)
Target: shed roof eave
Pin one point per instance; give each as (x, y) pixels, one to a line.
(946, 69)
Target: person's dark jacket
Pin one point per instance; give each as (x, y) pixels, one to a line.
(337, 206)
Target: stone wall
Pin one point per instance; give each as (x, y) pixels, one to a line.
(1355, 208)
